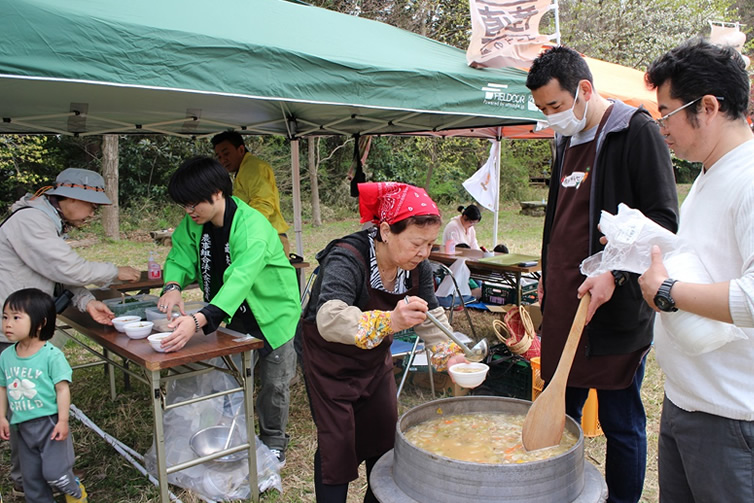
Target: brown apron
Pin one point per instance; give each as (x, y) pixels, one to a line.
(352, 395)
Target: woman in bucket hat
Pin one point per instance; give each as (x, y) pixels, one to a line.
(33, 253)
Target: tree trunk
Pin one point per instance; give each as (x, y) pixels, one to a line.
(110, 214)
(316, 215)
(432, 163)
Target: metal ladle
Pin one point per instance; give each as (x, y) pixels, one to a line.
(232, 425)
(475, 354)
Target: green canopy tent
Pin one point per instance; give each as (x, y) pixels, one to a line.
(187, 67)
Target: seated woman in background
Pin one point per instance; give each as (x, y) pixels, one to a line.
(460, 229)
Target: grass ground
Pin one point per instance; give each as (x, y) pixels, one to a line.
(109, 478)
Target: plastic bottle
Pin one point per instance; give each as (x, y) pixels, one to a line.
(154, 271)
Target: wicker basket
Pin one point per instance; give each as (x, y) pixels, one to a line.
(517, 332)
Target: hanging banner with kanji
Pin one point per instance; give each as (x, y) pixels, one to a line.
(506, 32)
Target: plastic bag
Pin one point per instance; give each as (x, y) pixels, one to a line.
(630, 237)
(215, 480)
(462, 274)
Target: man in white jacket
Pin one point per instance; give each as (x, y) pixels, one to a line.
(707, 429)
(33, 253)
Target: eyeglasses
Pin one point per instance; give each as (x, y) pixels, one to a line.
(190, 208)
(662, 121)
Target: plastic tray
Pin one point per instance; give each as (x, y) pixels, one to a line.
(153, 313)
(132, 305)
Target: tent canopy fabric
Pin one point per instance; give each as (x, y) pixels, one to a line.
(191, 68)
(610, 81)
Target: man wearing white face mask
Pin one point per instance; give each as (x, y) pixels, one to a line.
(606, 153)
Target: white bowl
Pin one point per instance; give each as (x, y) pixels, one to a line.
(139, 329)
(121, 321)
(469, 375)
(156, 339)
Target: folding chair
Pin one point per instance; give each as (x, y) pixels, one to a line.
(400, 347)
(438, 268)
(307, 291)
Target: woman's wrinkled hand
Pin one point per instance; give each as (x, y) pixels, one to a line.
(409, 313)
(127, 273)
(454, 360)
(100, 312)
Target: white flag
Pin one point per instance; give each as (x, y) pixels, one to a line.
(483, 184)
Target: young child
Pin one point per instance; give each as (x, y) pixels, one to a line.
(34, 378)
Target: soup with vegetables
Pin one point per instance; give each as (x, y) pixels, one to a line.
(481, 438)
(467, 370)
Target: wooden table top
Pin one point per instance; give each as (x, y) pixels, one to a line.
(220, 343)
(475, 259)
(145, 283)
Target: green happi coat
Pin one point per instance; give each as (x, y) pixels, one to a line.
(259, 272)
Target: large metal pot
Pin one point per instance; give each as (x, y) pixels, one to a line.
(408, 474)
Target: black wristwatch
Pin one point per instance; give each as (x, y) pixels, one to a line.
(663, 300)
(169, 287)
(620, 277)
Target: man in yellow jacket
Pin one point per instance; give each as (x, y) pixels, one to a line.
(233, 252)
(253, 180)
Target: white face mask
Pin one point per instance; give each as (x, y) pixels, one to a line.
(566, 122)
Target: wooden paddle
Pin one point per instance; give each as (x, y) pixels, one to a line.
(545, 421)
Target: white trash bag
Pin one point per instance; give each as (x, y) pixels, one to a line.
(630, 238)
(461, 273)
(216, 481)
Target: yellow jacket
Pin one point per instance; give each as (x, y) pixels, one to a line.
(255, 185)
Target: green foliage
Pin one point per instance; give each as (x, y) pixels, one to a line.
(635, 32)
(25, 166)
(685, 171)
(147, 162)
(446, 21)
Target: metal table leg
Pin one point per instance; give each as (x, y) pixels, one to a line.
(159, 436)
(248, 394)
(110, 374)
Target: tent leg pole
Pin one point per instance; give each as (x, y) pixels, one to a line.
(497, 201)
(296, 196)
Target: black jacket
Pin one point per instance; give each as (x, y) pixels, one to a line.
(633, 167)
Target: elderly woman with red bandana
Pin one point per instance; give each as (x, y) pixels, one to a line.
(356, 306)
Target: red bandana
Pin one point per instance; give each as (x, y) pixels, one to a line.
(392, 202)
